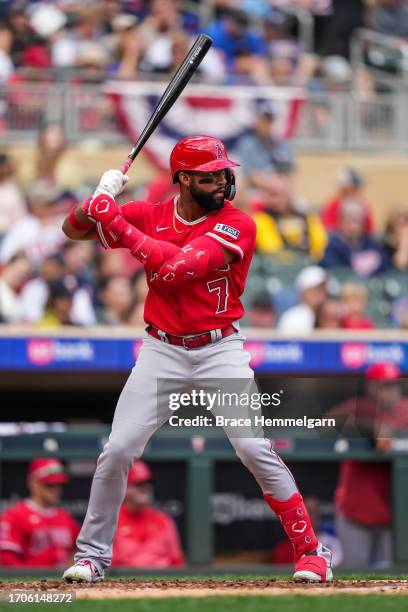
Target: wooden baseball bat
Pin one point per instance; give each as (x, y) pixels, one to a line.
(173, 91)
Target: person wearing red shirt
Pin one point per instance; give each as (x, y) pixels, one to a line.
(350, 184)
(353, 300)
(196, 249)
(35, 532)
(145, 537)
(363, 495)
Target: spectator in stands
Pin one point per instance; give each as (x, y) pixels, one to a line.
(391, 17)
(145, 536)
(351, 246)
(34, 294)
(232, 32)
(312, 292)
(354, 302)
(255, 9)
(399, 312)
(350, 185)
(363, 495)
(285, 231)
(288, 63)
(115, 294)
(22, 35)
(77, 258)
(247, 70)
(124, 46)
(50, 147)
(163, 18)
(337, 76)
(39, 233)
(67, 48)
(167, 54)
(328, 315)
(12, 202)
(59, 304)
(396, 239)
(282, 554)
(262, 152)
(12, 277)
(139, 291)
(6, 65)
(261, 311)
(36, 532)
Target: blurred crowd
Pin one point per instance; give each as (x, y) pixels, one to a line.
(49, 281)
(255, 41)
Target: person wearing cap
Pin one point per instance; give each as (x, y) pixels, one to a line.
(351, 246)
(262, 151)
(232, 31)
(363, 493)
(36, 532)
(183, 243)
(350, 184)
(312, 292)
(262, 311)
(145, 537)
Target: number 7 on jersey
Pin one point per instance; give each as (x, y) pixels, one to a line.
(220, 287)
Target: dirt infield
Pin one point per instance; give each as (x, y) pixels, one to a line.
(141, 589)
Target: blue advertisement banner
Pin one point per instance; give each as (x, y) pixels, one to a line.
(267, 356)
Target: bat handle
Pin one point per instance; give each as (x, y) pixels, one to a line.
(126, 165)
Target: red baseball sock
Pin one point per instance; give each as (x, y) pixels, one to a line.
(295, 520)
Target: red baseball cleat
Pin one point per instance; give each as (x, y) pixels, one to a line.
(314, 566)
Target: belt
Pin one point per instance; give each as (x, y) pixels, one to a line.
(193, 341)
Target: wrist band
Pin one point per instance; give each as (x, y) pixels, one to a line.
(79, 225)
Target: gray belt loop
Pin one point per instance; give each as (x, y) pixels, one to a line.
(163, 336)
(216, 335)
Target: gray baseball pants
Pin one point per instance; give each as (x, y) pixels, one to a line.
(364, 546)
(140, 412)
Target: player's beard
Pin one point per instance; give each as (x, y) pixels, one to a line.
(208, 201)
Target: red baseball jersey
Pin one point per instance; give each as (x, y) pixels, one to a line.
(206, 303)
(30, 535)
(146, 539)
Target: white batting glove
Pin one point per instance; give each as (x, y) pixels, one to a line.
(112, 183)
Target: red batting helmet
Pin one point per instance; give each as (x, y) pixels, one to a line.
(199, 153)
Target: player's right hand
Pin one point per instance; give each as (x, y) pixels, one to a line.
(112, 183)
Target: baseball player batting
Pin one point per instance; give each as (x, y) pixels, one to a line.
(196, 249)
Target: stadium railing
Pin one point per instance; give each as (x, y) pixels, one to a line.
(315, 121)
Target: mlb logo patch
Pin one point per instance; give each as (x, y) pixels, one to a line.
(227, 229)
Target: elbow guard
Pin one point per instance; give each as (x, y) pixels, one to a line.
(194, 261)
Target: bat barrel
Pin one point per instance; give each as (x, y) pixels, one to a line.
(179, 81)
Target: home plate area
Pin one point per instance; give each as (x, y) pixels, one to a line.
(145, 589)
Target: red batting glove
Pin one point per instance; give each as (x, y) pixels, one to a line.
(103, 209)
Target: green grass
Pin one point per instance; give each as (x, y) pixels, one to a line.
(280, 603)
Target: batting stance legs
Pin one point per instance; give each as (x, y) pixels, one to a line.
(141, 411)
